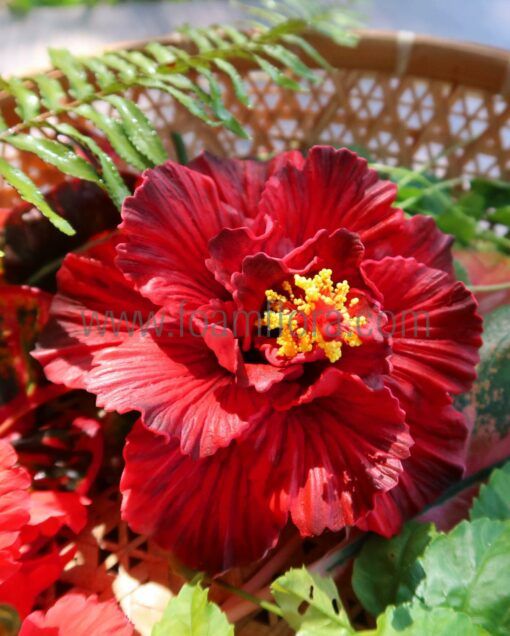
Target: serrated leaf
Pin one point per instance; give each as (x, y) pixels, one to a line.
(52, 94)
(160, 53)
(290, 60)
(236, 79)
(138, 128)
(469, 570)
(387, 571)
(237, 37)
(198, 38)
(191, 613)
(74, 72)
(55, 154)
(414, 620)
(29, 192)
(146, 64)
(311, 604)
(218, 107)
(116, 135)
(191, 104)
(305, 46)
(102, 74)
(126, 70)
(111, 179)
(27, 102)
(276, 74)
(493, 500)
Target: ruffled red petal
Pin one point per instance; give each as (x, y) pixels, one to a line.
(214, 513)
(332, 453)
(418, 238)
(78, 615)
(96, 308)
(167, 226)
(437, 460)
(14, 505)
(174, 379)
(240, 183)
(33, 577)
(334, 189)
(51, 510)
(433, 322)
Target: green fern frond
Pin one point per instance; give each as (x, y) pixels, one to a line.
(48, 108)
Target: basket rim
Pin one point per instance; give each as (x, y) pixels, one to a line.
(397, 53)
(401, 53)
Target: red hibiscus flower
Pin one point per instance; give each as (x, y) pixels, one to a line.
(77, 615)
(291, 340)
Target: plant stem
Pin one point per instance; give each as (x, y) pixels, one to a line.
(489, 288)
(194, 576)
(180, 148)
(53, 265)
(251, 598)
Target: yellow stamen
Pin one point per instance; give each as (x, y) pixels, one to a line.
(291, 313)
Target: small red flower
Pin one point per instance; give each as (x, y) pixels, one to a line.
(291, 340)
(14, 506)
(78, 615)
(30, 559)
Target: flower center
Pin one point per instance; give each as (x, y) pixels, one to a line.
(312, 314)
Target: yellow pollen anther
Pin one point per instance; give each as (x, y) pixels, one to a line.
(306, 317)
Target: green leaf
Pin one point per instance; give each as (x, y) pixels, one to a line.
(56, 154)
(74, 72)
(501, 215)
(190, 613)
(236, 79)
(494, 193)
(276, 74)
(29, 192)
(387, 571)
(191, 104)
(218, 107)
(111, 179)
(290, 60)
(493, 500)
(311, 604)
(305, 46)
(126, 70)
(28, 105)
(116, 136)
(160, 53)
(456, 222)
(414, 620)
(146, 64)
(52, 94)
(490, 395)
(102, 74)
(461, 272)
(469, 571)
(139, 130)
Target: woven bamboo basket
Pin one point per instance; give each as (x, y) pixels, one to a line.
(408, 100)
